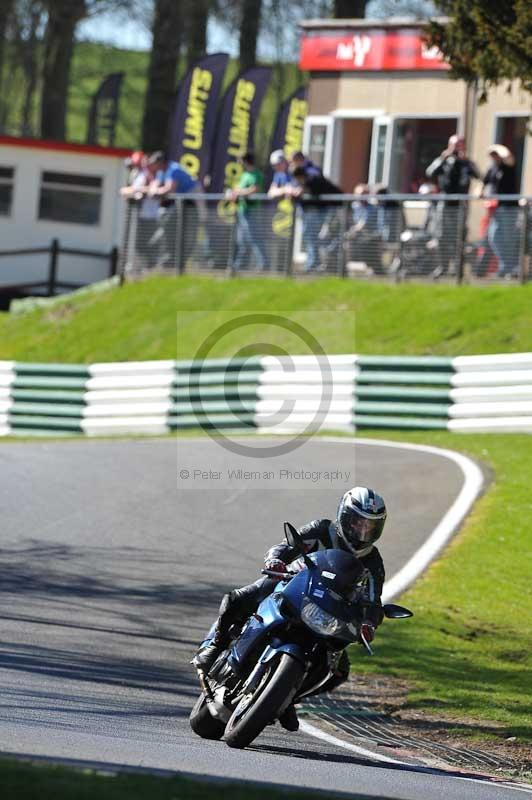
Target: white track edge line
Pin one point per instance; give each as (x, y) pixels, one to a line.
(442, 533)
(306, 727)
(317, 733)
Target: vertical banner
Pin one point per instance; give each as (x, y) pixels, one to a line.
(288, 133)
(103, 113)
(236, 126)
(194, 117)
(288, 136)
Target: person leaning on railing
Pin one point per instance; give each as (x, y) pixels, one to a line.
(140, 176)
(171, 178)
(501, 178)
(249, 231)
(316, 212)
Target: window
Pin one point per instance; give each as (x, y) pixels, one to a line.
(7, 175)
(380, 152)
(68, 197)
(512, 132)
(417, 142)
(316, 148)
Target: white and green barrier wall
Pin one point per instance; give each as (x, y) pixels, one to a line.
(269, 394)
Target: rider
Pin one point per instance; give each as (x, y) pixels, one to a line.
(359, 523)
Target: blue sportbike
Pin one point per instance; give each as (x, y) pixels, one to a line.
(289, 648)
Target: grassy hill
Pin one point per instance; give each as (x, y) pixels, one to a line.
(164, 317)
(92, 62)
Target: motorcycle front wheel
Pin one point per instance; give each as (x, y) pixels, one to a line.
(203, 723)
(255, 711)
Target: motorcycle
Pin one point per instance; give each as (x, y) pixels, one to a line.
(289, 648)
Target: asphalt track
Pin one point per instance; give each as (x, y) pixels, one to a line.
(112, 566)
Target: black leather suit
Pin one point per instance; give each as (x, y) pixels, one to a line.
(319, 534)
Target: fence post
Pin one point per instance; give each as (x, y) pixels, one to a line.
(180, 239)
(291, 243)
(232, 243)
(461, 235)
(113, 261)
(52, 268)
(523, 243)
(344, 245)
(129, 240)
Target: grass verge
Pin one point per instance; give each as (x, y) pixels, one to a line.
(468, 651)
(26, 781)
(164, 317)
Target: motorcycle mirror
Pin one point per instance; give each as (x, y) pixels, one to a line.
(293, 538)
(296, 542)
(391, 611)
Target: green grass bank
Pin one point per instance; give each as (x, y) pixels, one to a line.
(468, 650)
(164, 317)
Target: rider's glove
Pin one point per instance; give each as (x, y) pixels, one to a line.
(367, 631)
(275, 565)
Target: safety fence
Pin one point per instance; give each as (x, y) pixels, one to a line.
(25, 273)
(396, 237)
(269, 394)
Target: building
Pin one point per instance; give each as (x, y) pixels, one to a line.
(56, 190)
(382, 106)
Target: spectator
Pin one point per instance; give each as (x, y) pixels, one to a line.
(501, 178)
(135, 164)
(316, 213)
(299, 159)
(364, 237)
(390, 217)
(171, 178)
(453, 171)
(281, 179)
(139, 179)
(248, 232)
(281, 213)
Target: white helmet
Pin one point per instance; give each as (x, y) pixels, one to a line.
(360, 519)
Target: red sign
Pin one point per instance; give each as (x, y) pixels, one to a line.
(368, 49)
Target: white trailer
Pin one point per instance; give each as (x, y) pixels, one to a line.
(62, 193)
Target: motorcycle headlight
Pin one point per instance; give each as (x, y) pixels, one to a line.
(320, 621)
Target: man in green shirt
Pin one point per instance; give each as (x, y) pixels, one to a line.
(251, 224)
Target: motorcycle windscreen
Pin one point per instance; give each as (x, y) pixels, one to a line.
(339, 571)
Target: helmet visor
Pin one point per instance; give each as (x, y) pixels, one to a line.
(360, 530)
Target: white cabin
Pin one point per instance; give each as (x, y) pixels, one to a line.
(56, 190)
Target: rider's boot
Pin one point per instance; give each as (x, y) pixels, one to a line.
(288, 719)
(207, 655)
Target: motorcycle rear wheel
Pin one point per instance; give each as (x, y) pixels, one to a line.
(203, 723)
(245, 726)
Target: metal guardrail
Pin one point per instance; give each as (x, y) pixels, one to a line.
(395, 237)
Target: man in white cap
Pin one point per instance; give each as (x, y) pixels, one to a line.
(280, 179)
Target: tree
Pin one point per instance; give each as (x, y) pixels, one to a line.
(349, 9)
(6, 8)
(27, 22)
(249, 32)
(166, 46)
(486, 40)
(196, 29)
(418, 9)
(63, 17)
